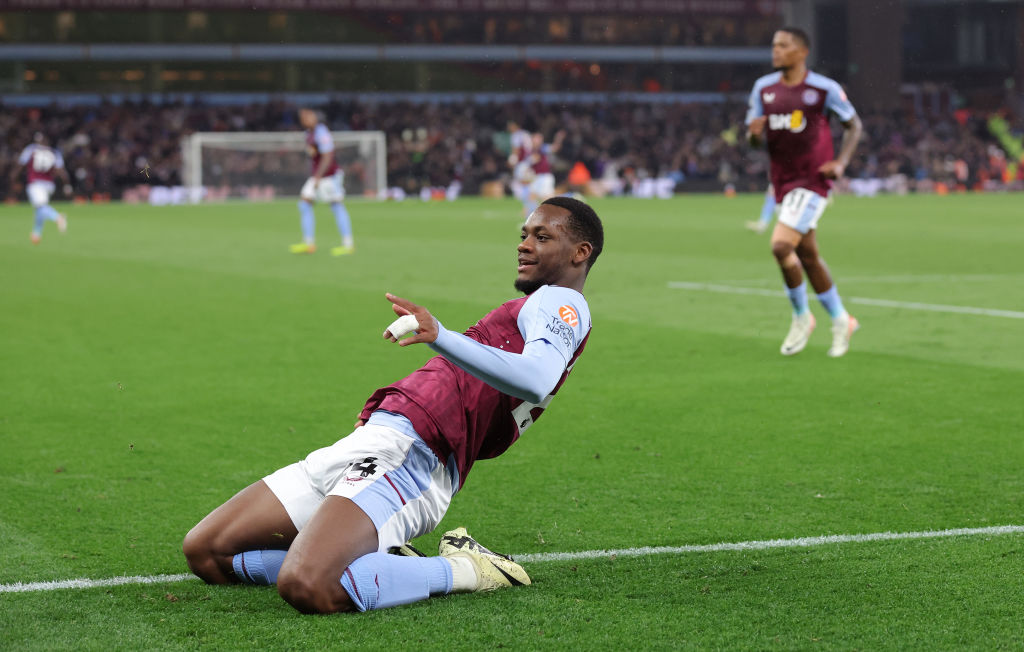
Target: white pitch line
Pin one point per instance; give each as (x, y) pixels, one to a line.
(886, 303)
(800, 542)
(903, 278)
(26, 587)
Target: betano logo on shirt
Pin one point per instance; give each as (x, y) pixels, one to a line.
(569, 316)
(794, 122)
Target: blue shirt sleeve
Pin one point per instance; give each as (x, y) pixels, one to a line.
(837, 102)
(530, 375)
(560, 316)
(323, 139)
(26, 155)
(553, 323)
(755, 108)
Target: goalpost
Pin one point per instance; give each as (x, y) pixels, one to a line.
(257, 163)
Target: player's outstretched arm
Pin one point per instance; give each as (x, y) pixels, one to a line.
(530, 375)
(852, 131)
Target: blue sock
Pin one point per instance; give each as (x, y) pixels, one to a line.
(380, 580)
(308, 221)
(258, 566)
(798, 297)
(344, 224)
(37, 224)
(768, 208)
(833, 304)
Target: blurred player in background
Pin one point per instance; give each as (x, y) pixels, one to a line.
(321, 528)
(44, 165)
(543, 184)
(326, 184)
(789, 110)
(521, 144)
(767, 212)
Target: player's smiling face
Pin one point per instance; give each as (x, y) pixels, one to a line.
(787, 51)
(546, 250)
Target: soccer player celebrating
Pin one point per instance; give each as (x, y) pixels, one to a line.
(326, 184)
(789, 110)
(44, 165)
(321, 528)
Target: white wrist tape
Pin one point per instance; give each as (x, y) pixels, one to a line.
(403, 326)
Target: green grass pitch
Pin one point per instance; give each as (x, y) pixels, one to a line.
(153, 361)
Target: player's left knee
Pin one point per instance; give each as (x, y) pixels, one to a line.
(312, 595)
(201, 559)
(781, 249)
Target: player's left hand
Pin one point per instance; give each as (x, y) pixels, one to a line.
(426, 329)
(832, 169)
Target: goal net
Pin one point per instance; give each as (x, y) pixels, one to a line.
(267, 164)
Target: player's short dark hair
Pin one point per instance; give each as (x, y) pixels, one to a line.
(798, 34)
(583, 223)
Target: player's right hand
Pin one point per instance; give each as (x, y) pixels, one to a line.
(756, 126)
(426, 331)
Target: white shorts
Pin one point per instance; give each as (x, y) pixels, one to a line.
(393, 477)
(523, 173)
(39, 192)
(801, 209)
(543, 185)
(330, 189)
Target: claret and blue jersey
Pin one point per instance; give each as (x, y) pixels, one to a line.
(797, 131)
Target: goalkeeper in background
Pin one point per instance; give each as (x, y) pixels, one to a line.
(325, 184)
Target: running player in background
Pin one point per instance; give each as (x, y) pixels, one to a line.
(326, 184)
(321, 528)
(789, 110)
(543, 184)
(44, 165)
(767, 212)
(521, 144)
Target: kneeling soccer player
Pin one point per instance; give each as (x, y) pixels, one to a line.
(320, 528)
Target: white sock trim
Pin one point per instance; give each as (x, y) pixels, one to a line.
(464, 577)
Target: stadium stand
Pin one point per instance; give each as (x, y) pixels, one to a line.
(699, 146)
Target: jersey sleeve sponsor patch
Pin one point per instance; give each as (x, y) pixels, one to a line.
(569, 315)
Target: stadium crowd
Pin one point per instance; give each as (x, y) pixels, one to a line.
(697, 146)
(590, 29)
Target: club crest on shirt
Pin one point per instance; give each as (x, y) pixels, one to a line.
(810, 96)
(769, 98)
